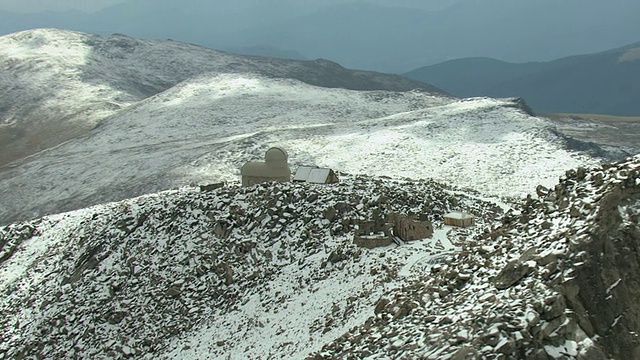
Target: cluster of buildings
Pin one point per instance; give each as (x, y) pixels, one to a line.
(373, 233)
(275, 167)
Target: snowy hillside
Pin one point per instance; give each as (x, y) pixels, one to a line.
(271, 272)
(261, 272)
(556, 280)
(58, 84)
(204, 129)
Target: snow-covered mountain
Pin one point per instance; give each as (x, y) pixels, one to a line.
(57, 84)
(271, 272)
(172, 114)
(204, 129)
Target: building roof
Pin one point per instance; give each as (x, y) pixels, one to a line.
(276, 155)
(312, 174)
(302, 174)
(274, 166)
(459, 215)
(319, 176)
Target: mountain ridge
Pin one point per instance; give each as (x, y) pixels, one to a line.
(94, 77)
(505, 30)
(204, 128)
(599, 83)
(198, 132)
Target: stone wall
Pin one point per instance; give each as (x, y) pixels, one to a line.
(458, 222)
(253, 180)
(377, 232)
(371, 242)
(372, 234)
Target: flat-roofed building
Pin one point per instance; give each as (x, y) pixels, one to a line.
(459, 218)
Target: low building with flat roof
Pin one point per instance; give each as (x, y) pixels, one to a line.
(459, 218)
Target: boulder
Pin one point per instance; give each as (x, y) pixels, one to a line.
(511, 274)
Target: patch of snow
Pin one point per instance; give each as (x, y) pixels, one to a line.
(569, 348)
(613, 286)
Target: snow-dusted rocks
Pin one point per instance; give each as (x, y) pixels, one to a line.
(557, 280)
(255, 272)
(268, 272)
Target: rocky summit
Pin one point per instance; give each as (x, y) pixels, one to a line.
(271, 271)
(557, 279)
(268, 271)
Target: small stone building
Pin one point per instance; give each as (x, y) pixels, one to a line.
(409, 229)
(315, 175)
(274, 168)
(378, 233)
(458, 218)
(373, 234)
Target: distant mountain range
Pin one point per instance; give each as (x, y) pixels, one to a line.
(602, 83)
(375, 35)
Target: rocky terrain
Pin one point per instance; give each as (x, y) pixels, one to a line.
(148, 265)
(557, 279)
(261, 271)
(271, 271)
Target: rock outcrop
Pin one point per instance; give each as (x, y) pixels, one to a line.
(557, 280)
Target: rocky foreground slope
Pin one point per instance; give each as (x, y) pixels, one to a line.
(558, 279)
(271, 272)
(265, 272)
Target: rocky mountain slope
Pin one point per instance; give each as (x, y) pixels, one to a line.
(601, 83)
(254, 270)
(271, 271)
(558, 279)
(60, 84)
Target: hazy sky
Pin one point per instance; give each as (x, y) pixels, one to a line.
(94, 5)
(55, 5)
(395, 36)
